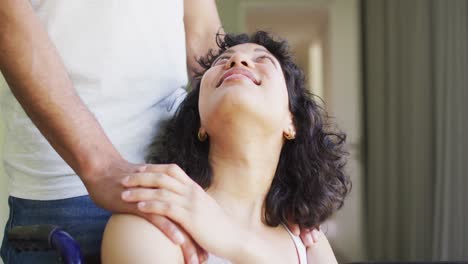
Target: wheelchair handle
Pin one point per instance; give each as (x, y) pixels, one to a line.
(46, 237)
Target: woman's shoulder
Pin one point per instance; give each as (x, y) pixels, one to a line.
(132, 239)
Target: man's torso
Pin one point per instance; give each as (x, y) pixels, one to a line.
(127, 62)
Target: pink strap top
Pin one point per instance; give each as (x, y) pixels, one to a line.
(300, 249)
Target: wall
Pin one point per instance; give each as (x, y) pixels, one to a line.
(3, 180)
(345, 98)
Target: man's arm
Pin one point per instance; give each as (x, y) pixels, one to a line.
(39, 81)
(202, 22)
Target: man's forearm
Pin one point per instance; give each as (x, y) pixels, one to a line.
(39, 81)
(202, 22)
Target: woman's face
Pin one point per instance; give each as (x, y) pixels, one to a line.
(246, 84)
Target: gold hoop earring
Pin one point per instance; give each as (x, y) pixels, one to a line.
(290, 136)
(202, 136)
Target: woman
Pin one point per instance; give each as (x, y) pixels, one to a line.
(260, 155)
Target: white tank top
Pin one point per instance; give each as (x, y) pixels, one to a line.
(127, 62)
(300, 249)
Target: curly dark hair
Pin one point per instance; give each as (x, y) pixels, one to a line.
(309, 184)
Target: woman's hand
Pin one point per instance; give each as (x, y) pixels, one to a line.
(319, 251)
(166, 190)
(318, 248)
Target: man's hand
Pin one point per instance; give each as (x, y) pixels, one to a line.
(201, 22)
(103, 184)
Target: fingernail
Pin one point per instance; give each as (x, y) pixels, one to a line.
(309, 240)
(315, 235)
(204, 258)
(141, 205)
(194, 259)
(179, 238)
(126, 180)
(125, 194)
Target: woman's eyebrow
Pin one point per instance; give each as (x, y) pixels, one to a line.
(262, 49)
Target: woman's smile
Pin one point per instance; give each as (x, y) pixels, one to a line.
(238, 74)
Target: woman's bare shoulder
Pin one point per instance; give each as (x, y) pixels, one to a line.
(132, 239)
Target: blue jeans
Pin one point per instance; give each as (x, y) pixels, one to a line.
(79, 216)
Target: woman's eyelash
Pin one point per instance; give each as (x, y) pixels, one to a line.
(219, 59)
(263, 57)
(258, 58)
(266, 57)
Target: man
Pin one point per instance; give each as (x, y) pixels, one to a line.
(89, 82)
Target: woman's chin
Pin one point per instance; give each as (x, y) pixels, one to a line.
(239, 98)
(239, 104)
(240, 111)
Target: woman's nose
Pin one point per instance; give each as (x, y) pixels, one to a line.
(238, 60)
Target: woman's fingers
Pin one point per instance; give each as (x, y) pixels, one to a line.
(168, 227)
(189, 248)
(295, 229)
(306, 238)
(153, 180)
(202, 255)
(310, 236)
(176, 208)
(315, 235)
(190, 251)
(145, 194)
(321, 251)
(172, 170)
(159, 201)
(169, 209)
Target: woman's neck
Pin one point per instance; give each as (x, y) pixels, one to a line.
(242, 175)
